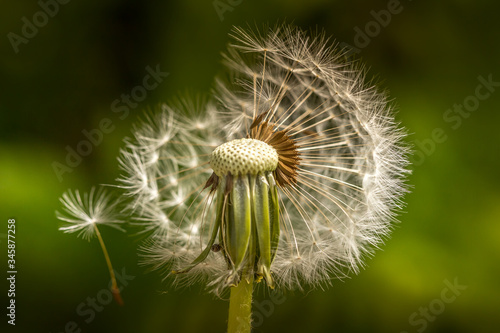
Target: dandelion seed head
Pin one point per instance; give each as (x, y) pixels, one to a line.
(295, 130)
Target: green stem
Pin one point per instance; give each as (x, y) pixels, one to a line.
(114, 286)
(240, 307)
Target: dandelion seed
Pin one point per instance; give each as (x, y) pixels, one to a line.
(82, 215)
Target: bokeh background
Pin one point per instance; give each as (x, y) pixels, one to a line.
(65, 76)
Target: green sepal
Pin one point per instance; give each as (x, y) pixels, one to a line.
(215, 230)
(260, 199)
(274, 212)
(239, 222)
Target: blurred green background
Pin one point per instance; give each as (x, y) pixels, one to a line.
(65, 76)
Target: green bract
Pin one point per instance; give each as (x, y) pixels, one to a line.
(247, 225)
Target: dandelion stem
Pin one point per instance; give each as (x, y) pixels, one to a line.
(114, 285)
(240, 307)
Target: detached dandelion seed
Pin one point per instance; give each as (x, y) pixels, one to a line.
(291, 179)
(83, 216)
